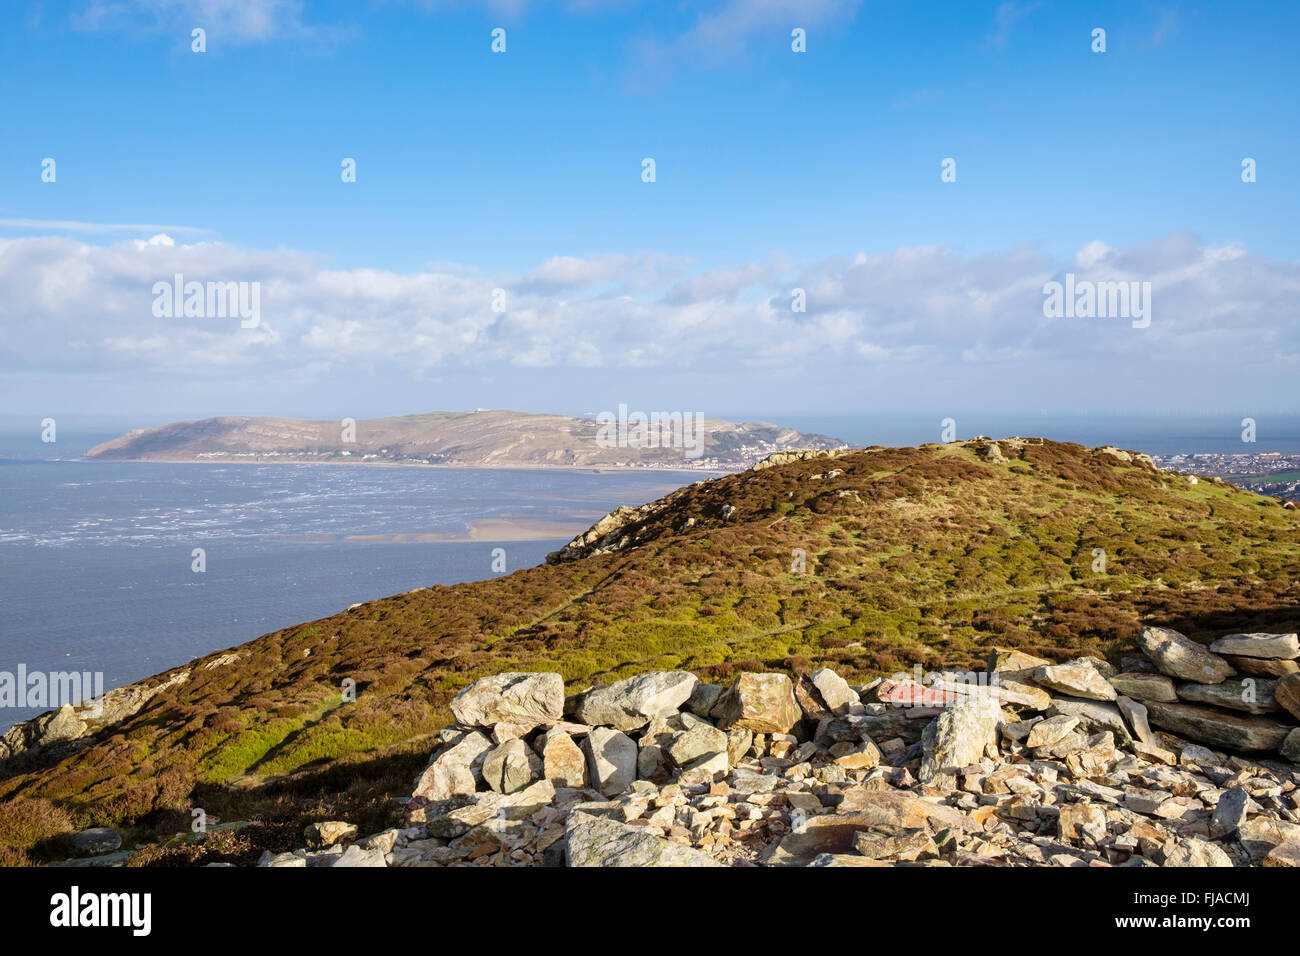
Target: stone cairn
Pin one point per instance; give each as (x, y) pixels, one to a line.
(1030, 763)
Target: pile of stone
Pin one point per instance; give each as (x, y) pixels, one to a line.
(1188, 757)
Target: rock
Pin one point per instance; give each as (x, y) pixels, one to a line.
(1287, 693)
(1259, 835)
(511, 766)
(1142, 686)
(1135, 715)
(701, 739)
(1284, 854)
(738, 743)
(1079, 820)
(1193, 852)
(630, 704)
(894, 843)
(1179, 656)
(1046, 732)
(1229, 812)
(1218, 728)
(1015, 665)
(511, 698)
(863, 809)
(611, 760)
(1079, 678)
(763, 703)
(1290, 748)
(599, 841)
(1094, 715)
(1263, 667)
(1272, 646)
(321, 836)
(96, 841)
(563, 762)
(455, 770)
(63, 724)
(703, 698)
(1253, 695)
(960, 736)
(356, 856)
(840, 698)
(282, 860)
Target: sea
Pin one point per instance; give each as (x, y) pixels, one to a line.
(97, 558)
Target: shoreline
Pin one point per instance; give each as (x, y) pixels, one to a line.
(585, 469)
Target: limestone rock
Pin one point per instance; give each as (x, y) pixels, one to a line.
(1181, 657)
(511, 698)
(327, 833)
(1079, 678)
(960, 736)
(1229, 812)
(763, 703)
(1046, 732)
(455, 769)
(1287, 693)
(703, 698)
(511, 766)
(1193, 852)
(1284, 854)
(1218, 728)
(630, 704)
(1262, 666)
(1253, 695)
(599, 841)
(611, 760)
(840, 698)
(563, 762)
(1142, 686)
(1290, 748)
(1272, 646)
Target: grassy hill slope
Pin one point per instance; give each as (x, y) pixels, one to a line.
(924, 555)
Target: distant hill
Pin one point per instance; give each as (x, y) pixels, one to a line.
(868, 561)
(486, 439)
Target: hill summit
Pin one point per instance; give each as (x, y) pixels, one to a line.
(868, 561)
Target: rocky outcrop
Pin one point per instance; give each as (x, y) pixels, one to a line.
(941, 772)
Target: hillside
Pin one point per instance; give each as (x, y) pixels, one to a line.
(926, 556)
(494, 439)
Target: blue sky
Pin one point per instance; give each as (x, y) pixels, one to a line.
(522, 171)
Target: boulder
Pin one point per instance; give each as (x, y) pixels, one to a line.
(630, 704)
(763, 703)
(1287, 693)
(1229, 812)
(327, 833)
(698, 740)
(511, 698)
(703, 698)
(959, 737)
(454, 770)
(1094, 715)
(563, 763)
(611, 760)
(96, 841)
(1050, 730)
(1181, 657)
(1252, 695)
(1193, 852)
(511, 766)
(1263, 667)
(1272, 646)
(840, 698)
(1078, 678)
(1143, 686)
(591, 840)
(1218, 728)
(1290, 748)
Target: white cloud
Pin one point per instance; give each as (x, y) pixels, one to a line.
(925, 313)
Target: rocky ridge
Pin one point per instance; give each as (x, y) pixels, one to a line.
(1181, 758)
